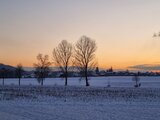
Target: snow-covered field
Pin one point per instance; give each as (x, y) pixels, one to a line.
(151, 82)
(76, 102)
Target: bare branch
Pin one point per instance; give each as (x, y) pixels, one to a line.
(85, 56)
(62, 57)
(42, 67)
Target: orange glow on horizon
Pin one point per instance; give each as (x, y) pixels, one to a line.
(123, 31)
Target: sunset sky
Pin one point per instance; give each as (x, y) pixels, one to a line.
(123, 29)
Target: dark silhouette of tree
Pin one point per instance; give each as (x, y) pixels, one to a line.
(3, 74)
(136, 79)
(97, 70)
(85, 56)
(19, 73)
(62, 58)
(42, 68)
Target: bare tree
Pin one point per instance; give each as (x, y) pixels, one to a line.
(3, 74)
(19, 72)
(42, 68)
(62, 57)
(136, 79)
(85, 56)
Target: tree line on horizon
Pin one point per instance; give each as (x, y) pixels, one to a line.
(81, 56)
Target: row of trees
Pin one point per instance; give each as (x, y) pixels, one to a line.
(65, 55)
(18, 72)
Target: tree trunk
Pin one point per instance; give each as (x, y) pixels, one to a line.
(65, 80)
(42, 82)
(86, 76)
(136, 82)
(66, 76)
(19, 81)
(87, 83)
(3, 82)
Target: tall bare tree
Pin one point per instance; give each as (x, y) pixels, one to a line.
(85, 56)
(42, 68)
(19, 72)
(62, 57)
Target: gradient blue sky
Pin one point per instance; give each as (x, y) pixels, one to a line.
(123, 29)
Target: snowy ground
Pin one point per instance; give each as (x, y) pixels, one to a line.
(124, 81)
(79, 103)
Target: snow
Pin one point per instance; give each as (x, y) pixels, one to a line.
(78, 103)
(153, 82)
(53, 101)
(78, 111)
